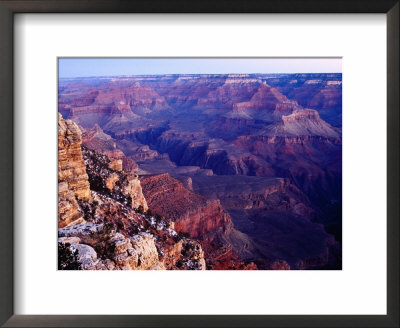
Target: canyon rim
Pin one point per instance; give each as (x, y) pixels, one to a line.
(199, 164)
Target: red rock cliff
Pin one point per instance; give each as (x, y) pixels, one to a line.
(203, 219)
(191, 212)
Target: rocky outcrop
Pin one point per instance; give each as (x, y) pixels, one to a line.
(69, 211)
(116, 165)
(73, 183)
(101, 247)
(106, 177)
(95, 243)
(71, 167)
(202, 219)
(87, 256)
(107, 226)
(306, 122)
(137, 253)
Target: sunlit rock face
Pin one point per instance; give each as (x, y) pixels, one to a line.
(73, 181)
(283, 129)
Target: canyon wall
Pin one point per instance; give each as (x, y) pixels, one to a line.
(202, 219)
(73, 181)
(103, 219)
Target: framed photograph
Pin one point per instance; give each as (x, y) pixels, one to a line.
(213, 164)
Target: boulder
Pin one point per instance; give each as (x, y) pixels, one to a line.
(87, 256)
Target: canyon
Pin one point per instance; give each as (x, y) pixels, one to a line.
(248, 166)
(104, 219)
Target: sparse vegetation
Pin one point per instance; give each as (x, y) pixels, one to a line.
(183, 234)
(140, 209)
(119, 226)
(68, 257)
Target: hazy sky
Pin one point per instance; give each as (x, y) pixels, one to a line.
(81, 67)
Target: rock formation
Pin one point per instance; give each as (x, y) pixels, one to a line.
(73, 184)
(105, 179)
(103, 216)
(322, 92)
(305, 122)
(203, 219)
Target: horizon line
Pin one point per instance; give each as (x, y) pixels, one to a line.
(161, 74)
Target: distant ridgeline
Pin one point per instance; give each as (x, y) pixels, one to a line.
(235, 171)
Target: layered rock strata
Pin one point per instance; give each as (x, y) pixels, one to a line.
(73, 184)
(202, 219)
(278, 218)
(103, 218)
(283, 126)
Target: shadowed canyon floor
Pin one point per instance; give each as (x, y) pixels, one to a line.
(248, 166)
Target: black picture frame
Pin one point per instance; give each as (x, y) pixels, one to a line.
(7, 198)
